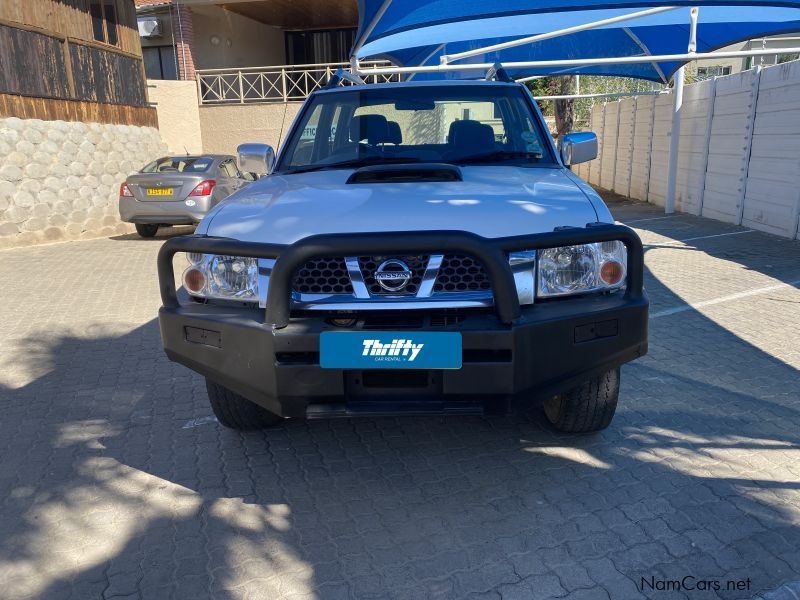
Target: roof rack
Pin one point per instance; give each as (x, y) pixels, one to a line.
(343, 75)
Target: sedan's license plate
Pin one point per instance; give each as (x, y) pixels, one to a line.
(390, 350)
(159, 191)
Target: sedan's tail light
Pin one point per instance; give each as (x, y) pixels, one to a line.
(204, 189)
(124, 190)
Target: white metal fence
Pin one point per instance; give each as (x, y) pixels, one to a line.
(282, 83)
(739, 149)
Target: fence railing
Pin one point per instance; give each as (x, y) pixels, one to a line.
(282, 83)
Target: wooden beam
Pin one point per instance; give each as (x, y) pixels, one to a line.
(49, 109)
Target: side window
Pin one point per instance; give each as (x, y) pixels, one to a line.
(304, 145)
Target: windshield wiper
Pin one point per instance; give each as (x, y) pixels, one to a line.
(354, 164)
(496, 156)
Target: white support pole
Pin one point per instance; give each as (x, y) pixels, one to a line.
(360, 41)
(675, 140)
(448, 58)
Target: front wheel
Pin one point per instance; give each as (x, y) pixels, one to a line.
(237, 412)
(146, 230)
(588, 407)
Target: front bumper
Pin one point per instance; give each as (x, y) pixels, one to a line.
(550, 348)
(172, 212)
(512, 356)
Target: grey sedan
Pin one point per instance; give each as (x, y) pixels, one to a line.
(178, 190)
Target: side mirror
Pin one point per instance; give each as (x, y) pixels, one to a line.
(256, 158)
(577, 148)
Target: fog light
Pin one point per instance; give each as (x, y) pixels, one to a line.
(194, 280)
(612, 272)
(342, 322)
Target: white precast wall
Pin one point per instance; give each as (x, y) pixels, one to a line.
(739, 150)
(729, 147)
(772, 200)
(598, 118)
(696, 114)
(608, 160)
(625, 130)
(644, 110)
(659, 150)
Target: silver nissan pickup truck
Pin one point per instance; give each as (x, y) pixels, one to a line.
(414, 248)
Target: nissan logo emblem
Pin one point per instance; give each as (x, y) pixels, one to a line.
(393, 275)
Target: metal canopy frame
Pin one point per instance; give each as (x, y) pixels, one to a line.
(446, 66)
(449, 58)
(586, 62)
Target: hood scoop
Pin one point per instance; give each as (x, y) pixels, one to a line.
(427, 172)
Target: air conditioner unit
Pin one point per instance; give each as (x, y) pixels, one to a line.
(149, 27)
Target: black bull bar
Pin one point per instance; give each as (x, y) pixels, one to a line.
(492, 252)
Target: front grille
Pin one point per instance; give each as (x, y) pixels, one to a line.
(370, 264)
(461, 274)
(326, 275)
(329, 275)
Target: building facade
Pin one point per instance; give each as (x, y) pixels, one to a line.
(179, 37)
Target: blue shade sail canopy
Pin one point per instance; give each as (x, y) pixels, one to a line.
(396, 37)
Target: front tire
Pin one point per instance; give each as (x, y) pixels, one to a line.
(237, 412)
(586, 408)
(146, 230)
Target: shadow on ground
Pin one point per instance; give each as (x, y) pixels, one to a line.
(114, 483)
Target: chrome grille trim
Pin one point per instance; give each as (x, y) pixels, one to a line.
(360, 290)
(429, 278)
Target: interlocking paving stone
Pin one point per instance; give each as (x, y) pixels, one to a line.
(116, 483)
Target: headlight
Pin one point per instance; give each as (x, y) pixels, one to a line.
(222, 277)
(582, 269)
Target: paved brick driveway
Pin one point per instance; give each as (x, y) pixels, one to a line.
(115, 483)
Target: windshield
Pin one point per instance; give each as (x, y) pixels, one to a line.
(180, 164)
(452, 124)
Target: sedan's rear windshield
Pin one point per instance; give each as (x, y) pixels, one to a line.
(179, 164)
(457, 124)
